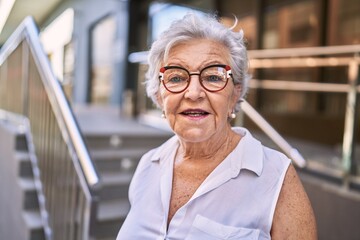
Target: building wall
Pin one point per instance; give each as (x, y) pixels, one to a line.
(280, 24)
(86, 14)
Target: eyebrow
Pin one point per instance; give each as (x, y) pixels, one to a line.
(202, 66)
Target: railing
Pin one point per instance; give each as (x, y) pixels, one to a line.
(291, 152)
(69, 178)
(300, 58)
(314, 57)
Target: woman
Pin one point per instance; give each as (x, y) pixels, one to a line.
(210, 181)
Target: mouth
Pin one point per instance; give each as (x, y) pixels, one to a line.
(195, 113)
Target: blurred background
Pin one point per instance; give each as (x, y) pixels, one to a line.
(75, 118)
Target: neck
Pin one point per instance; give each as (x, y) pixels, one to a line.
(217, 147)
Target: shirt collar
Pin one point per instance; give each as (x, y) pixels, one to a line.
(165, 149)
(247, 155)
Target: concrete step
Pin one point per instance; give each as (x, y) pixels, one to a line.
(24, 163)
(115, 186)
(111, 215)
(117, 160)
(134, 152)
(34, 225)
(30, 200)
(114, 141)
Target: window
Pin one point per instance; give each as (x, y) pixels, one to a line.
(161, 15)
(344, 22)
(290, 24)
(102, 47)
(68, 74)
(245, 12)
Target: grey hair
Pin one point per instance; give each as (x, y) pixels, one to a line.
(192, 26)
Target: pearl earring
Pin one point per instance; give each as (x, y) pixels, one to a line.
(233, 115)
(163, 115)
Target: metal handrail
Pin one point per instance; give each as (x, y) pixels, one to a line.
(302, 57)
(299, 86)
(290, 151)
(26, 42)
(305, 51)
(141, 57)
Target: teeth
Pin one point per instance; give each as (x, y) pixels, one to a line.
(195, 113)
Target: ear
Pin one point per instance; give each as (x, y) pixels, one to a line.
(237, 93)
(159, 99)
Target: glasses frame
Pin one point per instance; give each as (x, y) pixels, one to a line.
(226, 67)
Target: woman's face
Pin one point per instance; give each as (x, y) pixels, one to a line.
(196, 115)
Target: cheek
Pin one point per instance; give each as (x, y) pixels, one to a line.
(170, 102)
(222, 107)
(231, 99)
(162, 97)
(160, 101)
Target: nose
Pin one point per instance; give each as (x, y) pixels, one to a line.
(194, 90)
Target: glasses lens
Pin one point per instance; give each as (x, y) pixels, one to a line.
(213, 78)
(176, 79)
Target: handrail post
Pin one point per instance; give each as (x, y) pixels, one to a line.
(25, 78)
(92, 218)
(348, 148)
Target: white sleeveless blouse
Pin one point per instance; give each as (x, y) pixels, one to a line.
(236, 201)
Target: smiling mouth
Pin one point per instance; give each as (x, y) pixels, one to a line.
(195, 113)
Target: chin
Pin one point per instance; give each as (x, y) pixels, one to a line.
(194, 135)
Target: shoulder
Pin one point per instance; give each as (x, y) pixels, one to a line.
(157, 154)
(269, 163)
(150, 162)
(293, 217)
(275, 160)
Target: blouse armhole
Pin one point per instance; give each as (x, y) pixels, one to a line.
(294, 215)
(285, 167)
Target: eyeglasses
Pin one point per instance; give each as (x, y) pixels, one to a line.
(212, 78)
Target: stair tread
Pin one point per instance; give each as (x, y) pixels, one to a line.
(116, 178)
(27, 183)
(114, 209)
(33, 219)
(116, 126)
(22, 155)
(108, 153)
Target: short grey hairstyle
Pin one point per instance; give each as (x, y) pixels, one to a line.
(193, 26)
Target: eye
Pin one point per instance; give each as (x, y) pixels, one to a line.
(213, 75)
(175, 79)
(174, 76)
(213, 78)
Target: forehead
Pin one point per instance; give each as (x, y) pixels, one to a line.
(198, 52)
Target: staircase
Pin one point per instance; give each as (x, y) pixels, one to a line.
(116, 145)
(19, 207)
